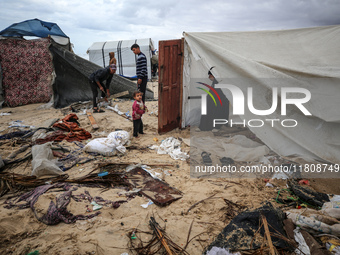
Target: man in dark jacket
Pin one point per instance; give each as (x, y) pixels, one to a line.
(141, 70)
(96, 81)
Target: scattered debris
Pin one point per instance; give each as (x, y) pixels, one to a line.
(79, 106)
(244, 232)
(158, 191)
(307, 195)
(147, 204)
(160, 242)
(172, 147)
(56, 213)
(116, 110)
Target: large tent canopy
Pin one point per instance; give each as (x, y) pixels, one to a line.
(305, 58)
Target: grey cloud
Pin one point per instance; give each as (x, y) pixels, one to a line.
(87, 21)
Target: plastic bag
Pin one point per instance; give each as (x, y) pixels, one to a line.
(303, 247)
(172, 147)
(43, 162)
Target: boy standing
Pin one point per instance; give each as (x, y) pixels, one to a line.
(141, 69)
(138, 109)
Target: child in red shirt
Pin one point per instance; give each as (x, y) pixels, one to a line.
(138, 109)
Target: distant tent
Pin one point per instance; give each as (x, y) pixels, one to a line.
(126, 59)
(41, 70)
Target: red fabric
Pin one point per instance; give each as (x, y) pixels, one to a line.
(70, 117)
(304, 182)
(73, 131)
(27, 71)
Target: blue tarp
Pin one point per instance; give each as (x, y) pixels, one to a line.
(33, 27)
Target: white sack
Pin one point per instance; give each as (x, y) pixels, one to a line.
(109, 146)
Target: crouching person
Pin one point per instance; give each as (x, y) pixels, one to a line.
(96, 81)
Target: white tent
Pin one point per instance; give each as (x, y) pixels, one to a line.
(126, 59)
(306, 58)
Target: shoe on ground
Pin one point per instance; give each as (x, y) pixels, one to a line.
(98, 110)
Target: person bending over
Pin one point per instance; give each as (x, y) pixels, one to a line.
(96, 80)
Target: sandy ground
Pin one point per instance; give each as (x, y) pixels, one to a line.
(21, 232)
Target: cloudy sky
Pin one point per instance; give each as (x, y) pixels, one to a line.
(88, 21)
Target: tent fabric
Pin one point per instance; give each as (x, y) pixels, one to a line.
(304, 58)
(33, 27)
(27, 71)
(71, 82)
(126, 59)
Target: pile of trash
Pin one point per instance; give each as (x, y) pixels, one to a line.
(312, 227)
